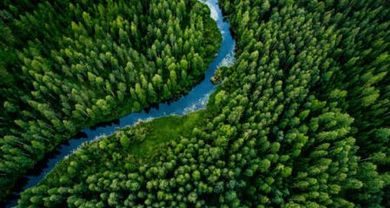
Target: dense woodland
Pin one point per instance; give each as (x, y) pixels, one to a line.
(66, 65)
(301, 120)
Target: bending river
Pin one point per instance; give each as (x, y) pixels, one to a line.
(196, 99)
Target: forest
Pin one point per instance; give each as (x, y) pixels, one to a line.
(301, 119)
(64, 71)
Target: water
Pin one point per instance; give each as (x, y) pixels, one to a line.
(196, 99)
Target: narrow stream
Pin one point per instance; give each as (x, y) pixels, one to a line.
(196, 99)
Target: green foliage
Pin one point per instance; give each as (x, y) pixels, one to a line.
(301, 120)
(89, 63)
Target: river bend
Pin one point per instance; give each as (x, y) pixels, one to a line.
(196, 99)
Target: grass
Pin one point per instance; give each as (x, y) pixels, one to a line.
(162, 130)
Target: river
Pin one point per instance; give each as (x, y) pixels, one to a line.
(196, 99)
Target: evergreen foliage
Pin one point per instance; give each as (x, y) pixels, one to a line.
(300, 120)
(66, 65)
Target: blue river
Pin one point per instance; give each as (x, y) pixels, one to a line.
(196, 99)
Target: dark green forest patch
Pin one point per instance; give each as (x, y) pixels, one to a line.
(300, 120)
(67, 65)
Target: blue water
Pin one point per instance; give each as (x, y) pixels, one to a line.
(196, 99)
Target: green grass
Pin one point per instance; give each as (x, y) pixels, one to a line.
(162, 130)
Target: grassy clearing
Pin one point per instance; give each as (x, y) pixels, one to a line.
(164, 129)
